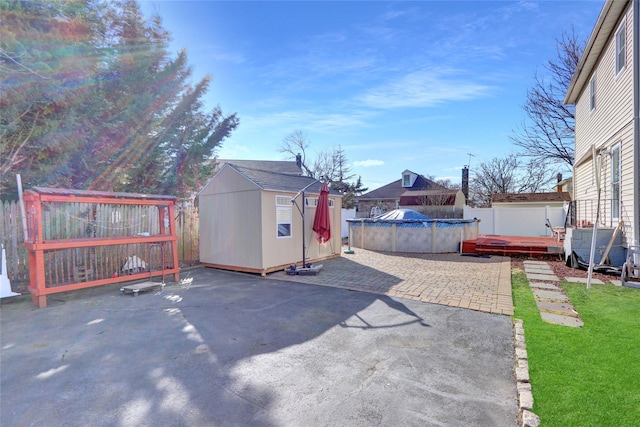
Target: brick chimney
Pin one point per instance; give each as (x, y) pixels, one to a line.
(465, 183)
(299, 161)
(558, 186)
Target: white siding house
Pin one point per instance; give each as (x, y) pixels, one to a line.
(606, 92)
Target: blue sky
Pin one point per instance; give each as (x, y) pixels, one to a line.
(412, 85)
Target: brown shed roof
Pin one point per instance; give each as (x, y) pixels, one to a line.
(428, 197)
(557, 196)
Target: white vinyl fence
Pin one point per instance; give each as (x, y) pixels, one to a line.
(522, 221)
(346, 214)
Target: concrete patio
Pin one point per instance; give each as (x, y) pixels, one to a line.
(223, 349)
(477, 283)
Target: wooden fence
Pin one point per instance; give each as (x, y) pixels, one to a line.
(12, 238)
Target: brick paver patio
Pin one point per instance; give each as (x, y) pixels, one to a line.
(482, 284)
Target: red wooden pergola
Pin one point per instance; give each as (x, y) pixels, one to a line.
(78, 239)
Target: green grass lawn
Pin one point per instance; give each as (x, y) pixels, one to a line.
(586, 376)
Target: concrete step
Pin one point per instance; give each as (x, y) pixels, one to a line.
(558, 319)
(548, 277)
(547, 286)
(553, 304)
(544, 294)
(584, 280)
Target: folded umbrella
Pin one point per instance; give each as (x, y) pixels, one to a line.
(322, 218)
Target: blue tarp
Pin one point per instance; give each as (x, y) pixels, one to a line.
(403, 214)
(408, 218)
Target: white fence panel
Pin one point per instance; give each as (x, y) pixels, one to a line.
(486, 217)
(347, 214)
(521, 222)
(524, 221)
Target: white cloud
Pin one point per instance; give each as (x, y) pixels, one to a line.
(368, 163)
(425, 88)
(217, 53)
(314, 121)
(230, 150)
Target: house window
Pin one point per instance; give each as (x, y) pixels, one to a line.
(284, 216)
(406, 180)
(615, 183)
(621, 47)
(592, 94)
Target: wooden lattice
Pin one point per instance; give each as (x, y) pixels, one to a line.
(79, 239)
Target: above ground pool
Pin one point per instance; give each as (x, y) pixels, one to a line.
(405, 230)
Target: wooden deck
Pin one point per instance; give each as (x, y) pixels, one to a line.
(514, 245)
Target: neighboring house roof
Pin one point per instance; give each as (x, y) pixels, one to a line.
(428, 197)
(557, 196)
(274, 181)
(279, 166)
(395, 190)
(597, 43)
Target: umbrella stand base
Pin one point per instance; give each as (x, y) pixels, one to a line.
(309, 271)
(349, 251)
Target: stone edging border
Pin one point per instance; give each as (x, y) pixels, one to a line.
(526, 418)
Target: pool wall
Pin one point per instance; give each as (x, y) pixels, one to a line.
(432, 236)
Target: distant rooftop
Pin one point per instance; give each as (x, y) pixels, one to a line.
(279, 166)
(395, 189)
(556, 196)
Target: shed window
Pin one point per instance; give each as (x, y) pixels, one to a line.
(283, 201)
(592, 94)
(615, 183)
(621, 47)
(284, 215)
(312, 202)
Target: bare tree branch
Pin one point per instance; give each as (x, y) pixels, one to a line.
(296, 144)
(547, 136)
(26, 69)
(12, 156)
(508, 175)
(329, 164)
